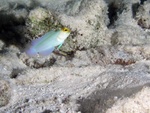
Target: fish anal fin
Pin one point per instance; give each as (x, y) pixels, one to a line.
(46, 52)
(31, 52)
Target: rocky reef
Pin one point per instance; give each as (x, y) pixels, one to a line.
(103, 66)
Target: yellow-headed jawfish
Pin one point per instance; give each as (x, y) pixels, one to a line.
(47, 43)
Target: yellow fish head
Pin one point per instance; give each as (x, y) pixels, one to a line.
(64, 33)
(65, 29)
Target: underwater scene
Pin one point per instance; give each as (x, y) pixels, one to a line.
(74, 56)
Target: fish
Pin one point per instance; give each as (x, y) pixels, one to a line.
(46, 44)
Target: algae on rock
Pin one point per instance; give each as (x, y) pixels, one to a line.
(41, 21)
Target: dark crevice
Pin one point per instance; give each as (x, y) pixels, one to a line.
(112, 9)
(15, 73)
(47, 111)
(142, 1)
(9, 33)
(12, 30)
(135, 7)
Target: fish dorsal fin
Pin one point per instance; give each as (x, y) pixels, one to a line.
(44, 37)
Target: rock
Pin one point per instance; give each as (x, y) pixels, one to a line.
(90, 24)
(5, 93)
(8, 64)
(41, 21)
(142, 16)
(138, 103)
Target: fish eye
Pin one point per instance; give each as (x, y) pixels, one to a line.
(65, 29)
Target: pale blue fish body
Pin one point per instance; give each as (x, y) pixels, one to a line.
(47, 43)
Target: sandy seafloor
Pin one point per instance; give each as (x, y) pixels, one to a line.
(103, 66)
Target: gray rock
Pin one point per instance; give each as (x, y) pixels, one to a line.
(5, 93)
(142, 15)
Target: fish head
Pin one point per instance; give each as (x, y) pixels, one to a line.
(64, 33)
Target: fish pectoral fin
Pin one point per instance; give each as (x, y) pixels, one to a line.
(59, 46)
(47, 51)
